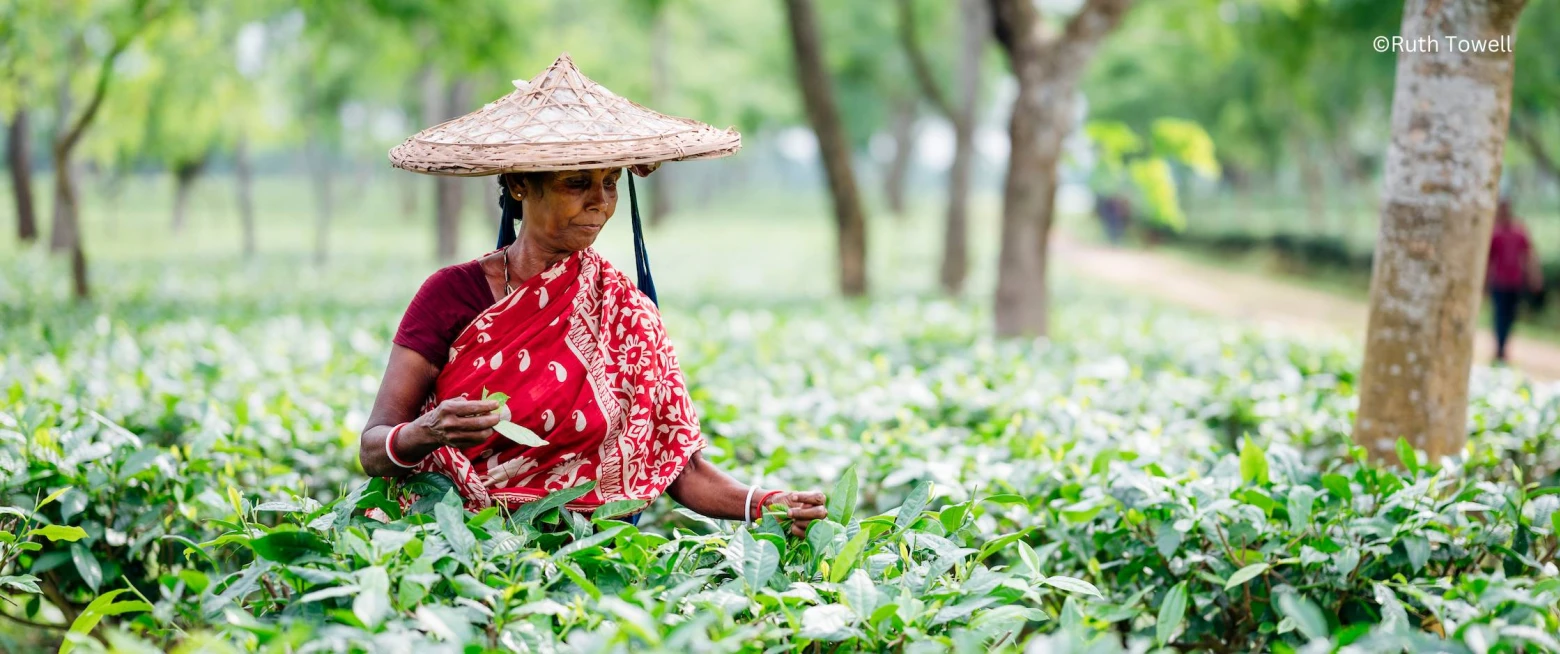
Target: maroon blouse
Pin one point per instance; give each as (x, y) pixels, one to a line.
(449, 300)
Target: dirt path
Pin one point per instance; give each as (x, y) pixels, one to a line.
(1261, 300)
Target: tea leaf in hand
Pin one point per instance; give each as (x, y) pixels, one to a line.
(518, 434)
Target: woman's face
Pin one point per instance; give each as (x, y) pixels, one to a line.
(565, 210)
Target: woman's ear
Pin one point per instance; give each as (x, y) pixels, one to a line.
(516, 186)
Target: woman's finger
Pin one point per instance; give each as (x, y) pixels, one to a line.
(464, 439)
(808, 497)
(473, 423)
(468, 407)
(808, 513)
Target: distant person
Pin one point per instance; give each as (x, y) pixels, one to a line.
(1114, 212)
(1513, 272)
(591, 387)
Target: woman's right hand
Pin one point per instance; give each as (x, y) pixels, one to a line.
(459, 423)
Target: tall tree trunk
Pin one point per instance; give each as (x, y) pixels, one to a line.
(1048, 69)
(243, 178)
(850, 221)
(59, 232)
(902, 129)
(19, 160)
(318, 153)
(955, 256)
(447, 194)
(185, 173)
(1449, 114)
(661, 191)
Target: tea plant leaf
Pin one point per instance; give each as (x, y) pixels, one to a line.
(452, 525)
(1171, 612)
(51, 497)
(617, 509)
(1072, 585)
(1418, 550)
(914, 503)
(842, 563)
(1245, 574)
(1408, 457)
(288, 546)
(519, 434)
(1305, 614)
(23, 583)
(86, 565)
(372, 603)
(859, 593)
(59, 533)
(1253, 464)
(842, 500)
(830, 623)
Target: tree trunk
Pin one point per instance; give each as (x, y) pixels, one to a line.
(955, 256)
(850, 221)
(243, 178)
(661, 191)
(902, 129)
(60, 233)
(185, 173)
(447, 194)
(1048, 70)
(19, 159)
(1449, 114)
(319, 160)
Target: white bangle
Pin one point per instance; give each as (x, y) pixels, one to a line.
(747, 505)
(389, 451)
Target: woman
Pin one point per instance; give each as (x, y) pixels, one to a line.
(1511, 275)
(576, 347)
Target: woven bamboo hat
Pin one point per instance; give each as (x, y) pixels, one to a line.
(559, 120)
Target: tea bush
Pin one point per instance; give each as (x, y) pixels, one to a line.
(1144, 479)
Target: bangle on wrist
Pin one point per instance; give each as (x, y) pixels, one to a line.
(747, 505)
(758, 511)
(390, 447)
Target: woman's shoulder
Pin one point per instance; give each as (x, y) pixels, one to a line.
(616, 282)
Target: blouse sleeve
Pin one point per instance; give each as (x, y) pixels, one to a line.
(436, 316)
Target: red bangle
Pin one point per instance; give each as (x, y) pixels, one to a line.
(390, 446)
(758, 511)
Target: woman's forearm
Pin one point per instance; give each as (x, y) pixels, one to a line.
(708, 491)
(412, 445)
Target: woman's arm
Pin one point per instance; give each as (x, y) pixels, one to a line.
(407, 381)
(707, 491)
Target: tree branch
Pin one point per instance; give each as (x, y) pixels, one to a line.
(105, 75)
(29, 623)
(918, 63)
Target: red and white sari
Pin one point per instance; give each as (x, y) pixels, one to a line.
(584, 358)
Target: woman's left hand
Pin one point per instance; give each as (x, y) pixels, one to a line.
(802, 507)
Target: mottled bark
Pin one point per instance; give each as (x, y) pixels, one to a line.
(1047, 69)
(834, 147)
(243, 178)
(18, 157)
(1449, 119)
(902, 129)
(448, 198)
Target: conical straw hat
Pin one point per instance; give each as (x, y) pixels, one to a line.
(560, 120)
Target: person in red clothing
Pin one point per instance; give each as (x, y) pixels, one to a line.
(1513, 272)
(539, 367)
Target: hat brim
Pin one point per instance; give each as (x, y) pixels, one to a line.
(476, 160)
